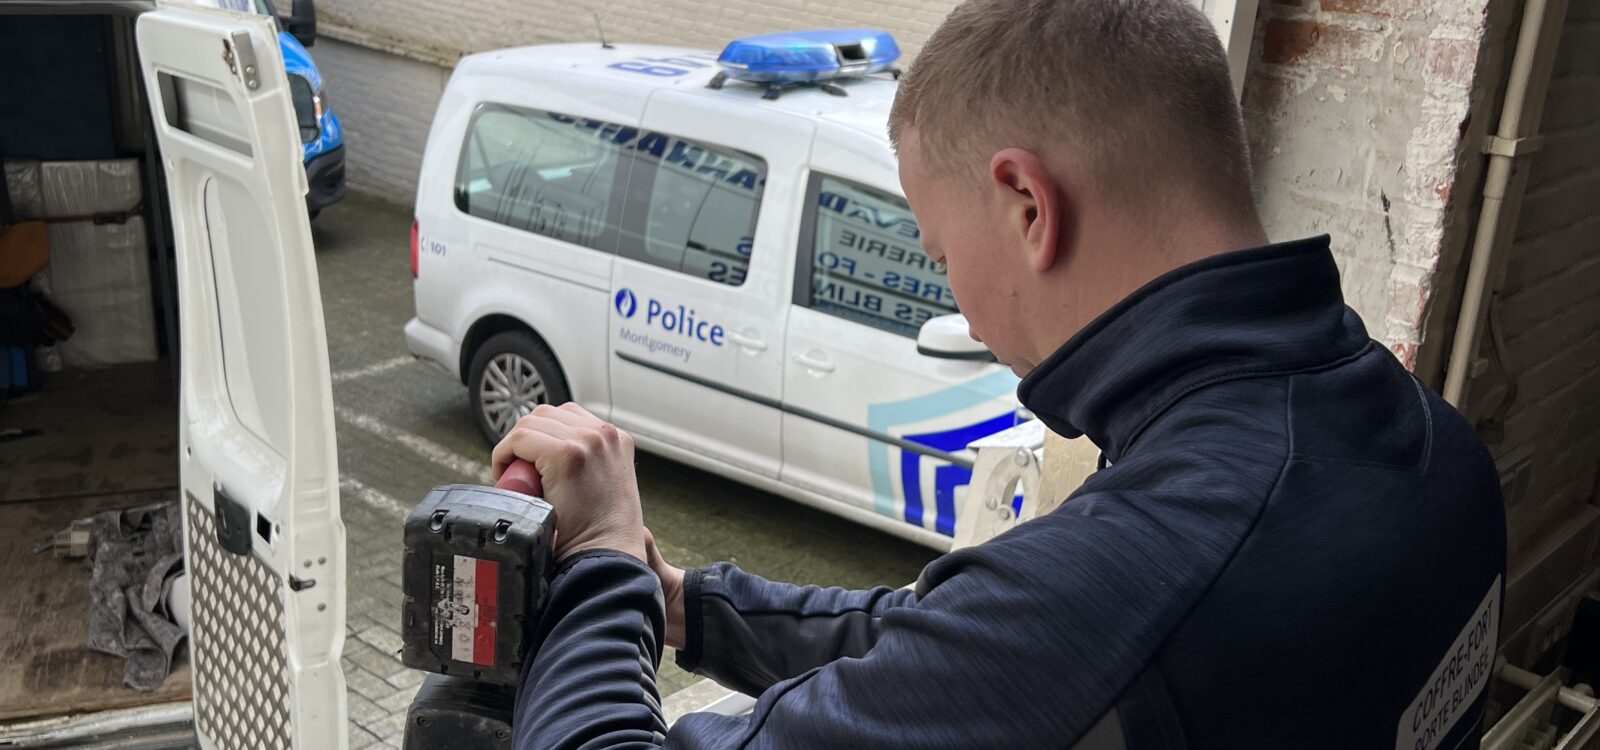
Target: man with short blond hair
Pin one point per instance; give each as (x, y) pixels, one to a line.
(1291, 542)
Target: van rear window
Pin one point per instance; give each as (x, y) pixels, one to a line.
(535, 171)
(678, 204)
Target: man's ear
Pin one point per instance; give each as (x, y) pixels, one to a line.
(1031, 203)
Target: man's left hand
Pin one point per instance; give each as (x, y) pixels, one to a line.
(586, 466)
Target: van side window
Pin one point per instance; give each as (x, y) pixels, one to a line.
(867, 262)
(543, 172)
(692, 207)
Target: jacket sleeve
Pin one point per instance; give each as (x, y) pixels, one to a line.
(592, 681)
(748, 633)
(989, 655)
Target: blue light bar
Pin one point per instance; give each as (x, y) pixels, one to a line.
(806, 56)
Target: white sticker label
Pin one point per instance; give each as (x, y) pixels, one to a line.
(464, 608)
(1456, 683)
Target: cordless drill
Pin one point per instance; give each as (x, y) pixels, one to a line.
(475, 577)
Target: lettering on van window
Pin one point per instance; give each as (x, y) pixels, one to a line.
(669, 151)
(868, 263)
(898, 221)
(855, 300)
(666, 67)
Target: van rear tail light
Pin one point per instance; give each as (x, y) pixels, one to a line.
(413, 249)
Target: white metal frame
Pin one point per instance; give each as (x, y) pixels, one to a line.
(1235, 22)
(1544, 692)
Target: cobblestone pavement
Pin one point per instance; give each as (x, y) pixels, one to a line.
(403, 427)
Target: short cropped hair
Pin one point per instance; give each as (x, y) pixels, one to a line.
(1137, 91)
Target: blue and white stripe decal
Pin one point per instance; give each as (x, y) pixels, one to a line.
(907, 414)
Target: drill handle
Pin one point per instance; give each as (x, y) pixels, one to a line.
(521, 477)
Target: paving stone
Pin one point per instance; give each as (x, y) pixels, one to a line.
(367, 684)
(390, 728)
(364, 712)
(358, 622)
(407, 678)
(385, 639)
(398, 701)
(361, 738)
(382, 665)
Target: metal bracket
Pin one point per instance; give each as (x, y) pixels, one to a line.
(1512, 148)
(1007, 465)
(243, 60)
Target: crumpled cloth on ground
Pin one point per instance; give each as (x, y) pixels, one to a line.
(136, 555)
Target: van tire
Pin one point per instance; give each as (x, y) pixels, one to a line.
(522, 362)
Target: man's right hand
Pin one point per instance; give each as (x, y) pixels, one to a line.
(671, 586)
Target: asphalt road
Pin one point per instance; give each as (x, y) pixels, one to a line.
(404, 426)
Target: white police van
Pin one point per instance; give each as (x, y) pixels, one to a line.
(726, 269)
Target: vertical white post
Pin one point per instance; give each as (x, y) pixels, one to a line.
(1235, 22)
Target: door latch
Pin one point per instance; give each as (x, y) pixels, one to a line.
(233, 522)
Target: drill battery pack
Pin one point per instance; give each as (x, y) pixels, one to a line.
(474, 581)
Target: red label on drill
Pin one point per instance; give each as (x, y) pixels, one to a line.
(474, 607)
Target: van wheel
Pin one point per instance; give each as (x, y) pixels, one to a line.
(510, 374)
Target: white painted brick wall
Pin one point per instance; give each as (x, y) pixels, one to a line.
(1355, 110)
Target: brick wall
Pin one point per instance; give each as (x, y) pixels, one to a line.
(1539, 404)
(386, 104)
(1355, 110)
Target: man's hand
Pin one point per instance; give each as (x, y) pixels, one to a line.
(586, 466)
(671, 587)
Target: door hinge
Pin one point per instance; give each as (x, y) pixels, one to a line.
(240, 55)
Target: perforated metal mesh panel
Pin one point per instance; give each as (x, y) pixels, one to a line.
(241, 676)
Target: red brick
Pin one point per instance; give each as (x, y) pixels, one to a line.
(1406, 353)
(1379, 8)
(1288, 41)
(1451, 61)
(1285, 40)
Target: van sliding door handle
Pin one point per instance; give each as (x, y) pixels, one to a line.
(748, 342)
(813, 363)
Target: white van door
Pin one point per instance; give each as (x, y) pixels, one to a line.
(700, 289)
(868, 420)
(264, 546)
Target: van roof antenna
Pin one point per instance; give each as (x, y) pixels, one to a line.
(597, 27)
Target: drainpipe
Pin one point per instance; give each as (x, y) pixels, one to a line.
(1515, 138)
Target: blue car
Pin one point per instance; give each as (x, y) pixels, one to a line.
(321, 136)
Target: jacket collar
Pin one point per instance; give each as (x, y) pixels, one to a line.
(1269, 310)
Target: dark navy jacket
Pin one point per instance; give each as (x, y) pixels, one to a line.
(1295, 545)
